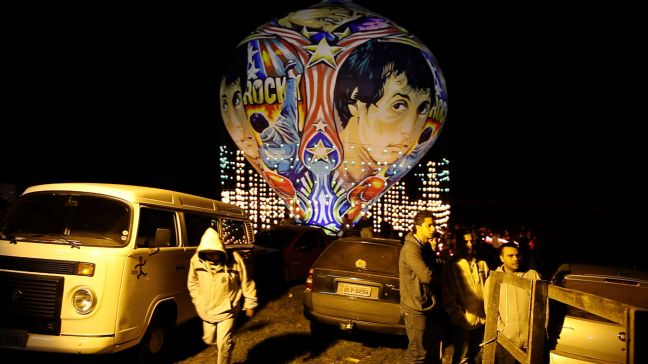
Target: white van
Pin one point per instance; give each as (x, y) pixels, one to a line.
(97, 268)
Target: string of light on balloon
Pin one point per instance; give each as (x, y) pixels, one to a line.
(242, 186)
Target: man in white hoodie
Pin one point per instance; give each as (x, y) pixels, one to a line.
(219, 284)
(514, 303)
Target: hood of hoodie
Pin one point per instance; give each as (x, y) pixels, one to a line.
(210, 242)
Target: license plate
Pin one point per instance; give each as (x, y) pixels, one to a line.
(354, 290)
(13, 337)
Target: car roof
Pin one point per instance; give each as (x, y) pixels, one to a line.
(294, 227)
(371, 240)
(146, 195)
(621, 284)
(607, 271)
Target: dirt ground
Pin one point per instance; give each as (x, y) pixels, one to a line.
(278, 333)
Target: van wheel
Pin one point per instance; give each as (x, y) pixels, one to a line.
(154, 343)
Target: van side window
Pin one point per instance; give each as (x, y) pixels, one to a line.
(195, 225)
(233, 232)
(151, 220)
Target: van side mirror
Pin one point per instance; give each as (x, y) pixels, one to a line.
(162, 237)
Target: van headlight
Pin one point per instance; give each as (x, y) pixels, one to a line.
(84, 300)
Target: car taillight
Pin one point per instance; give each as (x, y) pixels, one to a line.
(309, 280)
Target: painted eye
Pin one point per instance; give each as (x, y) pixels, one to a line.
(400, 106)
(224, 105)
(236, 99)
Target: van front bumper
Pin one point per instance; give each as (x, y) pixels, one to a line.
(68, 344)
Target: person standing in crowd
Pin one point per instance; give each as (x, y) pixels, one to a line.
(485, 251)
(441, 246)
(514, 303)
(464, 279)
(347, 226)
(218, 284)
(366, 227)
(419, 290)
(386, 230)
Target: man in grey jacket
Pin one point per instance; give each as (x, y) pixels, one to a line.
(419, 287)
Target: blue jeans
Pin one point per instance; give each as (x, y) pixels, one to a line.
(424, 333)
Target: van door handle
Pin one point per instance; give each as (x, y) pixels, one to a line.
(180, 267)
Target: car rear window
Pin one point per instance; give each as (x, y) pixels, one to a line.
(363, 256)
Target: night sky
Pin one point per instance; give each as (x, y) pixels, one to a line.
(545, 105)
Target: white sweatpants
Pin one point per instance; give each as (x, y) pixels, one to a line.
(220, 334)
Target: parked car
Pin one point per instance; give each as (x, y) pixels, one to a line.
(577, 336)
(354, 284)
(284, 253)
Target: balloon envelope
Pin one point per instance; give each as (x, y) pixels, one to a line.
(332, 105)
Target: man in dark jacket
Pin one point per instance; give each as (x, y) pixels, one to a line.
(419, 286)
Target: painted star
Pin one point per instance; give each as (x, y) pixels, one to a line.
(320, 125)
(306, 33)
(320, 152)
(323, 52)
(344, 34)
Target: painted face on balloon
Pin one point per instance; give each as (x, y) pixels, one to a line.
(393, 125)
(236, 120)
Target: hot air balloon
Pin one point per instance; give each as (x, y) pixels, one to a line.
(332, 105)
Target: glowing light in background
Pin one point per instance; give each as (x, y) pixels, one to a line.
(242, 186)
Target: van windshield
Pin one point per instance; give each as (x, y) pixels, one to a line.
(68, 218)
